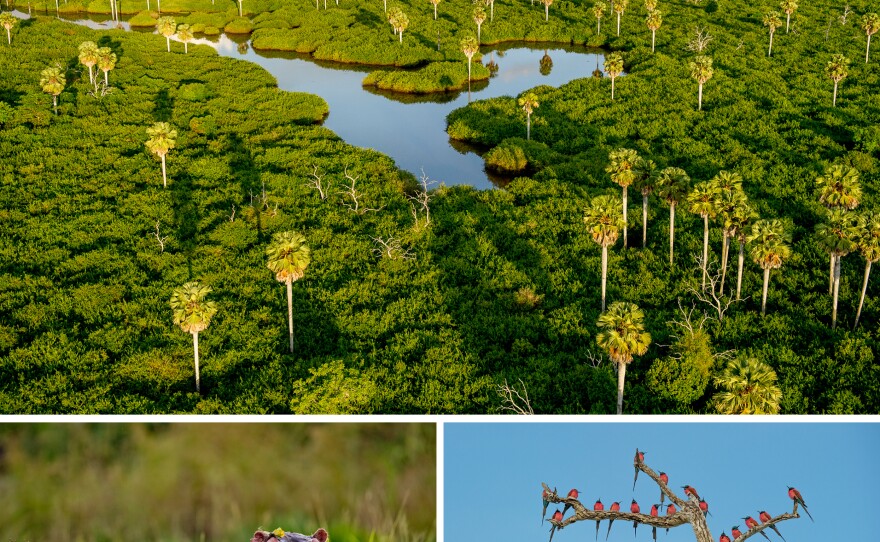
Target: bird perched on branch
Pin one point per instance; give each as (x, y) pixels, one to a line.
(704, 507)
(544, 495)
(670, 511)
(665, 479)
(752, 524)
(556, 521)
(634, 508)
(690, 490)
(765, 517)
(735, 532)
(639, 459)
(572, 494)
(654, 511)
(598, 507)
(795, 495)
(281, 535)
(615, 507)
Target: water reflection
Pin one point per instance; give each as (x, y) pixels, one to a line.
(411, 129)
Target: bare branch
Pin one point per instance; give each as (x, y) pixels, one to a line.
(232, 216)
(594, 360)
(318, 184)
(700, 40)
(582, 513)
(391, 249)
(352, 192)
(512, 400)
(846, 13)
(159, 238)
(712, 295)
(772, 521)
(423, 198)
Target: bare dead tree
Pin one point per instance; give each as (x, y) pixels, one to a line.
(688, 511)
(391, 249)
(687, 319)
(700, 41)
(159, 238)
(419, 202)
(318, 184)
(352, 192)
(847, 11)
(712, 294)
(232, 216)
(514, 401)
(594, 360)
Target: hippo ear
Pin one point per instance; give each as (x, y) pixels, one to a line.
(320, 535)
(260, 536)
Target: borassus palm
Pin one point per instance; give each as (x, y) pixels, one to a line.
(621, 166)
(288, 258)
(769, 240)
(193, 313)
(622, 334)
(673, 185)
(603, 221)
(868, 241)
(749, 388)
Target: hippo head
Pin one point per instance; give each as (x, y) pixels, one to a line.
(265, 536)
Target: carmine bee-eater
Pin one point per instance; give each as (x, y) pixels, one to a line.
(615, 507)
(634, 508)
(752, 524)
(735, 532)
(654, 511)
(724, 538)
(765, 517)
(689, 490)
(704, 507)
(556, 521)
(670, 511)
(598, 507)
(639, 458)
(665, 479)
(544, 495)
(572, 494)
(795, 495)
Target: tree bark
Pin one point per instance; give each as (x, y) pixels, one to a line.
(653, 34)
(435, 12)
(705, 248)
(834, 101)
(725, 250)
(671, 230)
(618, 23)
(700, 98)
(864, 291)
(106, 82)
(644, 220)
(787, 21)
(528, 126)
(764, 295)
(739, 271)
(621, 377)
(290, 312)
(867, 49)
(239, 9)
(9, 37)
(546, 12)
(836, 292)
(598, 25)
(625, 222)
(55, 103)
(831, 276)
(196, 353)
(612, 88)
(168, 42)
(164, 178)
(770, 50)
(604, 273)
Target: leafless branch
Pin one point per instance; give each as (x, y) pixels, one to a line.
(512, 400)
(391, 249)
(846, 13)
(700, 41)
(352, 192)
(422, 198)
(594, 360)
(318, 184)
(712, 295)
(232, 216)
(159, 238)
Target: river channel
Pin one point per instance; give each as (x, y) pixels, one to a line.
(411, 129)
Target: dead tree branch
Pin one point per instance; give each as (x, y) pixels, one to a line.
(713, 294)
(318, 184)
(159, 238)
(420, 201)
(391, 249)
(352, 192)
(700, 41)
(512, 400)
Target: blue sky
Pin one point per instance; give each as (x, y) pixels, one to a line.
(739, 468)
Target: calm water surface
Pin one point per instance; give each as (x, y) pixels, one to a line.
(409, 129)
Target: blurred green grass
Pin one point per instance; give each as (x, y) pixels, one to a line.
(203, 482)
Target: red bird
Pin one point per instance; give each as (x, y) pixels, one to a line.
(735, 532)
(704, 507)
(724, 538)
(598, 507)
(544, 495)
(665, 479)
(670, 511)
(689, 490)
(639, 459)
(795, 495)
(615, 507)
(752, 524)
(765, 517)
(572, 494)
(654, 511)
(556, 521)
(634, 508)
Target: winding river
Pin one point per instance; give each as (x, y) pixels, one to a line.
(410, 129)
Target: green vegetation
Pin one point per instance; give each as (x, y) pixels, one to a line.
(178, 482)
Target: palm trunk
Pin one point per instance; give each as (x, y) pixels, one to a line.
(168, 42)
(625, 223)
(834, 101)
(196, 353)
(612, 88)
(764, 295)
(831, 276)
(290, 312)
(644, 220)
(546, 12)
(653, 34)
(479, 26)
(618, 23)
(91, 75)
(868, 49)
(864, 291)
(401, 35)
(239, 8)
(435, 12)
(770, 50)
(705, 248)
(469, 71)
(106, 82)
(492, 11)
(55, 103)
(621, 377)
(528, 127)
(700, 98)
(787, 21)
(164, 178)
(739, 270)
(836, 292)
(9, 37)
(671, 231)
(185, 48)
(725, 250)
(159, 6)
(604, 273)
(598, 26)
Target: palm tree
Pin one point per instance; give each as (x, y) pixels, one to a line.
(868, 242)
(52, 80)
(646, 182)
(749, 388)
(7, 20)
(704, 200)
(603, 223)
(654, 20)
(619, 7)
(162, 140)
(393, 16)
(837, 69)
(469, 46)
(788, 7)
(770, 247)
(546, 9)
(731, 196)
(529, 102)
(479, 17)
(838, 188)
(613, 67)
(106, 62)
(435, 2)
(491, 4)
(400, 23)
(241, 15)
(740, 219)
(167, 27)
(870, 24)
(184, 34)
(672, 186)
(621, 166)
(701, 70)
(622, 334)
(88, 57)
(772, 22)
(599, 11)
(838, 236)
(193, 313)
(288, 258)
